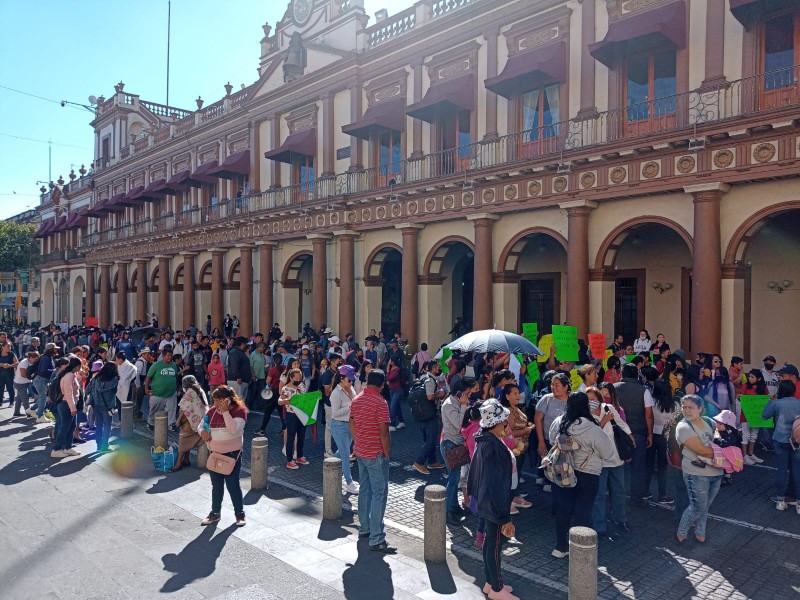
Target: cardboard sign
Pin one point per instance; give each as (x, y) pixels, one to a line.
(609, 354)
(565, 338)
(530, 331)
(597, 344)
(753, 407)
(446, 354)
(545, 343)
(576, 379)
(92, 322)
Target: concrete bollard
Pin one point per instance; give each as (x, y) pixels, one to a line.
(202, 455)
(160, 439)
(435, 532)
(582, 563)
(126, 421)
(259, 448)
(332, 488)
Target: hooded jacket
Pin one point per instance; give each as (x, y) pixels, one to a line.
(489, 479)
(595, 446)
(103, 393)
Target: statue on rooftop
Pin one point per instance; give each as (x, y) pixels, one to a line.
(294, 63)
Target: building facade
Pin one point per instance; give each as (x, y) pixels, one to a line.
(610, 164)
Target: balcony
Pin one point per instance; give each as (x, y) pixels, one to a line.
(54, 256)
(683, 117)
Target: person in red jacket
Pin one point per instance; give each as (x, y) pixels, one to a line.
(216, 372)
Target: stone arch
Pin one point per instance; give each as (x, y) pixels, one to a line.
(607, 254)
(373, 267)
(435, 258)
(204, 281)
(78, 294)
(294, 265)
(740, 241)
(48, 301)
(134, 280)
(509, 257)
(234, 275)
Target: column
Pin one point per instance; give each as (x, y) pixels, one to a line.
(715, 44)
(122, 292)
(266, 292)
(578, 212)
(255, 157)
(328, 151)
(588, 63)
(417, 124)
(356, 162)
(483, 307)
(217, 289)
(164, 303)
(275, 166)
(246, 291)
(141, 290)
(347, 282)
(409, 301)
(706, 267)
(491, 97)
(105, 294)
(319, 280)
(91, 278)
(189, 307)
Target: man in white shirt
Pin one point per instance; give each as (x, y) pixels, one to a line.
(21, 384)
(128, 377)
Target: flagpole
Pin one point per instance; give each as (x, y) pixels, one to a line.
(169, 19)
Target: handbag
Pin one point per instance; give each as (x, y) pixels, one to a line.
(456, 457)
(623, 443)
(222, 463)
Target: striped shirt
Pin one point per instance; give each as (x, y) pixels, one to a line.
(369, 410)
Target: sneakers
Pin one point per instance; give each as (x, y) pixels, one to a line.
(755, 459)
(259, 433)
(797, 509)
(521, 503)
(789, 501)
(480, 536)
(301, 461)
(559, 554)
(351, 488)
(436, 466)
(392, 428)
(513, 510)
(42, 420)
(781, 505)
(421, 469)
(503, 594)
(211, 518)
(72, 452)
(58, 454)
(240, 521)
(540, 481)
(546, 488)
(748, 460)
(31, 413)
(292, 465)
(666, 500)
(487, 587)
(400, 425)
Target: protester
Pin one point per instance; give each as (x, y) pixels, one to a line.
(637, 401)
(341, 400)
(162, 386)
(785, 409)
(453, 411)
(8, 365)
(103, 392)
(216, 372)
(22, 383)
(67, 409)
(295, 428)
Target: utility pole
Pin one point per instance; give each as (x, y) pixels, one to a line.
(169, 22)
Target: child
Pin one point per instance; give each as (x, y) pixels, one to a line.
(755, 385)
(727, 436)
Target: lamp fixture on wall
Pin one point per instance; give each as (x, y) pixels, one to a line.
(662, 287)
(779, 286)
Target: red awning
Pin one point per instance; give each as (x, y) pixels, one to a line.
(98, 210)
(120, 201)
(302, 143)
(114, 205)
(390, 114)
(44, 228)
(202, 174)
(76, 219)
(547, 63)
(58, 227)
(749, 12)
(153, 192)
(178, 183)
(451, 94)
(235, 165)
(643, 30)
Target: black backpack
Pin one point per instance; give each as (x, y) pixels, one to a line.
(422, 409)
(53, 392)
(33, 368)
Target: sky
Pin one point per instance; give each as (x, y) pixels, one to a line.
(72, 49)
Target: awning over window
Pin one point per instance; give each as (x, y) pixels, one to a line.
(124, 199)
(749, 12)
(302, 143)
(643, 30)
(547, 63)
(44, 228)
(202, 174)
(114, 204)
(98, 210)
(390, 114)
(153, 192)
(451, 94)
(58, 227)
(76, 219)
(235, 165)
(178, 183)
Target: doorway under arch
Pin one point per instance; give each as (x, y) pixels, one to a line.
(451, 264)
(384, 271)
(297, 290)
(78, 301)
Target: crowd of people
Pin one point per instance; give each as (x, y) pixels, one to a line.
(643, 413)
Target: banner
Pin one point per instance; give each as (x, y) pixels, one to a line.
(565, 338)
(753, 407)
(545, 343)
(306, 406)
(92, 322)
(597, 344)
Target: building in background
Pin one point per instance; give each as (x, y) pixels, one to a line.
(611, 164)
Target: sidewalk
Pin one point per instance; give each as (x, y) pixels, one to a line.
(111, 527)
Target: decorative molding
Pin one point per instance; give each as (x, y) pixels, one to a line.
(454, 62)
(536, 31)
(303, 118)
(387, 87)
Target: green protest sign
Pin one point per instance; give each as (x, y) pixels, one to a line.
(446, 354)
(306, 406)
(565, 339)
(530, 331)
(753, 407)
(531, 370)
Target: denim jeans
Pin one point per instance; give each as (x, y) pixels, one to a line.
(294, 429)
(575, 507)
(453, 477)
(66, 427)
(40, 383)
(612, 479)
(788, 463)
(396, 406)
(340, 430)
(145, 408)
(373, 474)
(492, 551)
(220, 482)
(430, 439)
(271, 405)
(681, 495)
(7, 386)
(702, 491)
(639, 469)
(102, 421)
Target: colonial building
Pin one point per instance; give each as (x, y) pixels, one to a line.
(611, 164)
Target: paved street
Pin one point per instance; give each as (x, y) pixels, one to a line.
(128, 532)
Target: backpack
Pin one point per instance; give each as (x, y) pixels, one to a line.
(559, 465)
(674, 449)
(415, 366)
(53, 392)
(794, 438)
(422, 409)
(33, 369)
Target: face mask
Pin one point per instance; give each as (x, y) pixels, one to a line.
(769, 365)
(474, 396)
(594, 404)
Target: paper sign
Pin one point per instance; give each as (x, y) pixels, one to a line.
(531, 369)
(545, 342)
(597, 344)
(92, 322)
(575, 378)
(446, 354)
(753, 407)
(565, 338)
(609, 354)
(530, 331)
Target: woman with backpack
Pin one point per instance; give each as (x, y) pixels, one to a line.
(785, 409)
(102, 390)
(695, 434)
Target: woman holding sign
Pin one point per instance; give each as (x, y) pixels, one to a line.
(785, 409)
(295, 428)
(754, 386)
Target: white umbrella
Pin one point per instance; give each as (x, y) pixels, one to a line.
(494, 340)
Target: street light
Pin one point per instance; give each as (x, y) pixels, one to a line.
(92, 100)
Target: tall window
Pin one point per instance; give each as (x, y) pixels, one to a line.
(540, 113)
(304, 175)
(455, 140)
(780, 55)
(650, 89)
(388, 156)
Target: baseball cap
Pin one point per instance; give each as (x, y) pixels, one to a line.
(348, 371)
(768, 357)
(335, 338)
(789, 369)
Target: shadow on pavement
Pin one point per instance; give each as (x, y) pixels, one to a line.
(197, 560)
(173, 481)
(369, 578)
(440, 577)
(333, 530)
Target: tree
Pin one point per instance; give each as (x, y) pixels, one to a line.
(18, 247)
